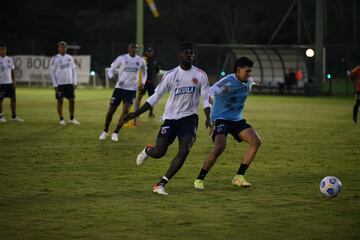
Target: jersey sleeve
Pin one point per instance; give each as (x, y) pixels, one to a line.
(220, 87)
(205, 93)
(53, 71)
(114, 66)
(160, 90)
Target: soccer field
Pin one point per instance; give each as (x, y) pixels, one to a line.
(63, 183)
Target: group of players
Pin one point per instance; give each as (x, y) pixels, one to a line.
(185, 84)
(223, 104)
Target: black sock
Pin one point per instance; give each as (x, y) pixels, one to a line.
(13, 115)
(164, 180)
(117, 129)
(202, 174)
(242, 169)
(61, 118)
(71, 117)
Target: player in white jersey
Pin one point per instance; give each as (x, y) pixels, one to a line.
(63, 76)
(128, 65)
(227, 115)
(7, 84)
(185, 84)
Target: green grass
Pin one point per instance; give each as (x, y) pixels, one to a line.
(63, 183)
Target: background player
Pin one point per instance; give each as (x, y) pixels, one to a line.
(227, 115)
(63, 76)
(185, 83)
(7, 84)
(125, 90)
(152, 71)
(355, 76)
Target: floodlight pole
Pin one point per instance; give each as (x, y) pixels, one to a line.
(319, 45)
(140, 25)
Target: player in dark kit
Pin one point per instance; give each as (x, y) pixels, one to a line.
(150, 84)
(355, 76)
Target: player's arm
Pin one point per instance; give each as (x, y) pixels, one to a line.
(73, 71)
(206, 101)
(220, 87)
(160, 90)
(13, 74)
(53, 72)
(114, 66)
(144, 72)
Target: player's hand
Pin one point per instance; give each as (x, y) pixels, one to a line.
(208, 125)
(211, 101)
(74, 86)
(129, 116)
(14, 85)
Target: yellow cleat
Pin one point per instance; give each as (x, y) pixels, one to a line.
(199, 184)
(240, 181)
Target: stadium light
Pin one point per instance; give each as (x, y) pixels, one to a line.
(222, 73)
(328, 76)
(310, 52)
(92, 73)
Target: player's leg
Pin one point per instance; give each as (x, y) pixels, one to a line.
(356, 108)
(59, 108)
(12, 95)
(218, 149)
(151, 91)
(250, 136)
(125, 110)
(115, 101)
(185, 144)
(2, 118)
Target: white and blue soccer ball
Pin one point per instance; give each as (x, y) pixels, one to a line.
(330, 186)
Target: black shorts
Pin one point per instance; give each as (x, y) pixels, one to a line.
(226, 126)
(122, 95)
(186, 126)
(65, 90)
(7, 90)
(149, 88)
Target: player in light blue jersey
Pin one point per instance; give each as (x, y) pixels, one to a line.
(230, 95)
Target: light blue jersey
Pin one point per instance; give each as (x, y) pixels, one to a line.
(230, 96)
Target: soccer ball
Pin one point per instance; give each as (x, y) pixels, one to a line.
(330, 186)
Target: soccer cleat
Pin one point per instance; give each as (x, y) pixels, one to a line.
(115, 137)
(142, 156)
(17, 119)
(74, 122)
(240, 181)
(62, 122)
(199, 184)
(3, 120)
(159, 189)
(103, 135)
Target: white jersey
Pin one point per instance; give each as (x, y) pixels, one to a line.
(185, 88)
(63, 70)
(129, 68)
(6, 66)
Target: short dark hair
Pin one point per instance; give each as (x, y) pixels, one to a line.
(2, 45)
(243, 62)
(185, 46)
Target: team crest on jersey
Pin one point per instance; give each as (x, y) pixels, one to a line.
(195, 81)
(164, 130)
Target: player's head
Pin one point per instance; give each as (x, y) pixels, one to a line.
(149, 51)
(186, 51)
(243, 67)
(132, 48)
(62, 47)
(2, 49)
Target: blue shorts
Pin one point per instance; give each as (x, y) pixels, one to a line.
(224, 127)
(122, 95)
(185, 126)
(7, 91)
(65, 90)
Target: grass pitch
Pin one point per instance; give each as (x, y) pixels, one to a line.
(63, 183)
